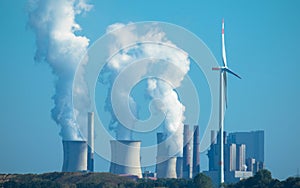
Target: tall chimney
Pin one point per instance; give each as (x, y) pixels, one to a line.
(125, 157)
(75, 156)
(196, 151)
(186, 152)
(90, 160)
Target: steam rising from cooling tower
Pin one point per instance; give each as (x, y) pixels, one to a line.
(156, 88)
(53, 22)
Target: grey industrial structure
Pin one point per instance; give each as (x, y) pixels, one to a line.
(254, 142)
(185, 166)
(243, 155)
(75, 156)
(196, 151)
(78, 154)
(90, 157)
(165, 164)
(125, 157)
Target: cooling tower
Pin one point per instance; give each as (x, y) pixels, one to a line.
(179, 167)
(165, 164)
(125, 157)
(196, 151)
(75, 156)
(213, 138)
(90, 157)
(186, 152)
(167, 168)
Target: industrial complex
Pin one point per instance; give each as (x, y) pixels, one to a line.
(231, 157)
(243, 155)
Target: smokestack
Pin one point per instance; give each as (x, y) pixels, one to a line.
(90, 157)
(196, 151)
(186, 152)
(75, 156)
(125, 157)
(165, 164)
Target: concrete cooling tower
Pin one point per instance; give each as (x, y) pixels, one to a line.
(165, 164)
(179, 163)
(125, 157)
(75, 156)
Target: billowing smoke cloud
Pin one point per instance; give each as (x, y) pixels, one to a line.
(157, 89)
(53, 22)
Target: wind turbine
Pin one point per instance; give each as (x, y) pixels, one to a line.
(223, 95)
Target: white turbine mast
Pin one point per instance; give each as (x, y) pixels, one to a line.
(223, 96)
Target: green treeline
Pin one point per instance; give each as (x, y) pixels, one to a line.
(262, 179)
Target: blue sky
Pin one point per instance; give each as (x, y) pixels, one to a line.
(262, 41)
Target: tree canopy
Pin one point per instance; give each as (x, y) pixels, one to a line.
(262, 179)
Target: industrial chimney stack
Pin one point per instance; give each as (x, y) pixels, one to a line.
(196, 151)
(90, 154)
(186, 168)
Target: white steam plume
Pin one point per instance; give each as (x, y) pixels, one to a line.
(53, 22)
(157, 89)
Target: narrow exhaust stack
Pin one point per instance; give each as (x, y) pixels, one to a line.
(196, 151)
(90, 157)
(186, 168)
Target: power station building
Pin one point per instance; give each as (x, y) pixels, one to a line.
(254, 142)
(243, 155)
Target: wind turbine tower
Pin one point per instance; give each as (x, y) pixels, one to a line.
(223, 98)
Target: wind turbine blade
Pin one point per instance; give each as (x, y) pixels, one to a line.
(225, 88)
(231, 72)
(223, 46)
